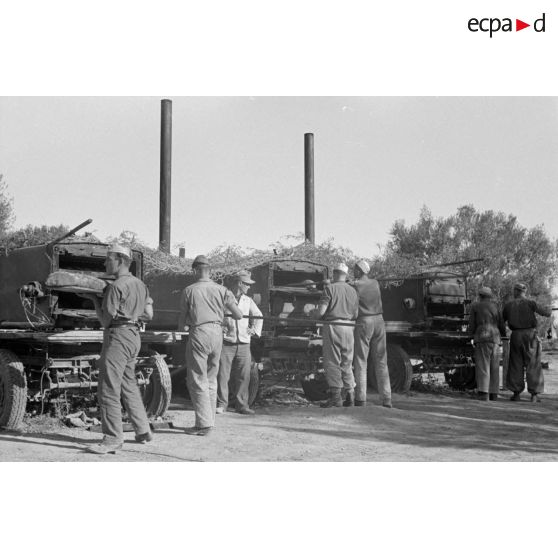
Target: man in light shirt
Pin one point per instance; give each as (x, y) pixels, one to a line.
(236, 358)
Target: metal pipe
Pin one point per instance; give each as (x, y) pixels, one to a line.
(309, 229)
(165, 180)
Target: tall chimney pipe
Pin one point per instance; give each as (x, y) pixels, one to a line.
(165, 181)
(309, 230)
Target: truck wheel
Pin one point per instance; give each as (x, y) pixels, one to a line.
(254, 388)
(13, 390)
(157, 394)
(315, 387)
(462, 378)
(399, 367)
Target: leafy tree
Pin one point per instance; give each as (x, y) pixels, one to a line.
(6, 208)
(509, 251)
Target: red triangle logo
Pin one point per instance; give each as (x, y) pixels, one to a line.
(519, 25)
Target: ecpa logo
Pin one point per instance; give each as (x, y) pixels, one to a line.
(493, 25)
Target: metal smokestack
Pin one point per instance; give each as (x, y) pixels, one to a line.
(309, 230)
(165, 182)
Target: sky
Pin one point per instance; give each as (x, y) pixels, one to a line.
(238, 164)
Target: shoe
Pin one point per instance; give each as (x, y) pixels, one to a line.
(493, 396)
(535, 398)
(360, 403)
(349, 399)
(106, 446)
(515, 396)
(482, 396)
(143, 438)
(219, 410)
(198, 431)
(387, 403)
(245, 411)
(334, 400)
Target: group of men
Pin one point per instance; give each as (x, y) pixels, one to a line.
(221, 321)
(488, 326)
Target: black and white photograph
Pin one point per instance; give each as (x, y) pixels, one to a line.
(278, 279)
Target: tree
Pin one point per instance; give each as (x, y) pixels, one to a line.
(6, 208)
(509, 251)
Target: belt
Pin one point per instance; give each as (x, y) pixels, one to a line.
(124, 324)
(521, 328)
(370, 315)
(205, 323)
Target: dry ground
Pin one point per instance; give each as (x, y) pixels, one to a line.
(420, 427)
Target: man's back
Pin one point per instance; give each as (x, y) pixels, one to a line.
(520, 313)
(369, 297)
(125, 299)
(485, 321)
(341, 300)
(204, 302)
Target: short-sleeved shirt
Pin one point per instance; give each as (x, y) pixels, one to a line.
(369, 297)
(485, 322)
(236, 331)
(204, 302)
(520, 313)
(125, 299)
(341, 300)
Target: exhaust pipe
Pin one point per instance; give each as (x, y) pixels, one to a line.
(165, 181)
(309, 230)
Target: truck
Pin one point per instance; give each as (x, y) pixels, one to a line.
(50, 340)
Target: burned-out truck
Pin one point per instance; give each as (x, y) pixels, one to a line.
(50, 339)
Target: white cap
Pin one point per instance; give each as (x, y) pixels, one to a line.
(342, 268)
(120, 249)
(363, 265)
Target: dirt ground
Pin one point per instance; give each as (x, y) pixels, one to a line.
(420, 427)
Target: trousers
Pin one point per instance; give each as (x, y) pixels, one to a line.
(370, 339)
(525, 361)
(234, 366)
(202, 366)
(118, 384)
(487, 367)
(338, 344)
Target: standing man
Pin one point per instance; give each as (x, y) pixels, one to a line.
(236, 358)
(370, 337)
(338, 303)
(525, 345)
(202, 309)
(486, 325)
(125, 301)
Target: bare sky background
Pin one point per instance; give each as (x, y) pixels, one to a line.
(238, 164)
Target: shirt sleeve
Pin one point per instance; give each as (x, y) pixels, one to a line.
(541, 310)
(325, 299)
(111, 301)
(184, 309)
(257, 324)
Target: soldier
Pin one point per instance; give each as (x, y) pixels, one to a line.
(202, 310)
(370, 336)
(236, 358)
(339, 303)
(486, 325)
(525, 345)
(124, 302)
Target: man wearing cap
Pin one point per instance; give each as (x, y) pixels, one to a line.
(370, 337)
(525, 346)
(338, 303)
(236, 358)
(486, 325)
(124, 303)
(202, 310)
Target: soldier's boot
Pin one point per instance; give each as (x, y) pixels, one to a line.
(515, 396)
(335, 399)
(482, 395)
(535, 398)
(349, 399)
(493, 397)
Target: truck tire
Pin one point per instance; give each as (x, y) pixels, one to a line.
(13, 390)
(315, 387)
(254, 389)
(157, 394)
(399, 367)
(462, 378)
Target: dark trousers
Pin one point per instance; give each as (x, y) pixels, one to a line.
(525, 360)
(117, 382)
(234, 366)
